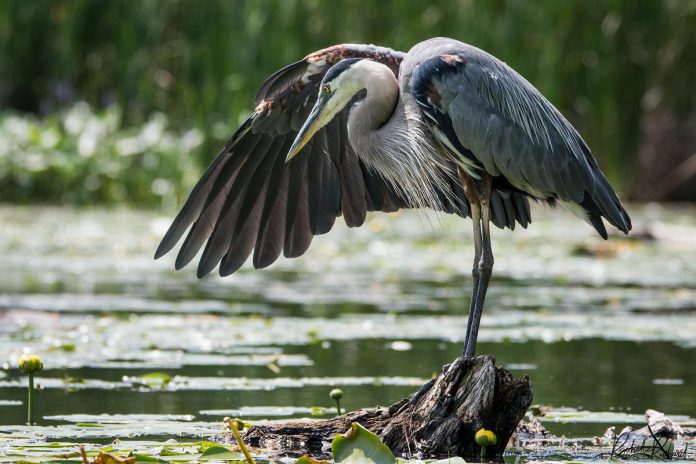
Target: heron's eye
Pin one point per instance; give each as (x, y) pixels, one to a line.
(325, 89)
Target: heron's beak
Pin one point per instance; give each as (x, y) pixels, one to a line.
(320, 116)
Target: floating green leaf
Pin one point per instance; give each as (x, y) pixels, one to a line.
(168, 452)
(360, 446)
(147, 458)
(87, 424)
(220, 453)
(155, 379)
(309, 460)
(452, 460)
(204, 445)
(67, 347)
(60, 461)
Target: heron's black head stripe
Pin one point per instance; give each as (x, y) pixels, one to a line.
(339, 68)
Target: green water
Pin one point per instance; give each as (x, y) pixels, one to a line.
(375, 311)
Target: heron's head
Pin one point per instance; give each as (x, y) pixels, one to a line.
(338, 87)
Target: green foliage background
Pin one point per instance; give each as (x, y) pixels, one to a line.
(605, 64)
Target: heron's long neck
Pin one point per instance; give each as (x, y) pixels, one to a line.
(388, 134)
(367, 119)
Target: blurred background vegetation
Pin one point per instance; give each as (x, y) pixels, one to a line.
(120, 101)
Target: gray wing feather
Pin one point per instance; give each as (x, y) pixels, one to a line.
(514, 132)
(271, 235)
(249, 199)
(298, 236)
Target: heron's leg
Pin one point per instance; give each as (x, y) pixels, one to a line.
(474, 203)
(476, 219)
(485, 269)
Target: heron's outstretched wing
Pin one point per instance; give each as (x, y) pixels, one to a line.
(250, 199)
(497, 122)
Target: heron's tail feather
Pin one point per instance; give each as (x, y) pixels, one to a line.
(592, 210)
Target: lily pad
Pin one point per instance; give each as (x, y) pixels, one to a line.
(120, 418)
(60, 461)
(152, 380)
(360, 446)
(309, 460)
(220, 453)
(572, 415)
(146, 458)
(267, 411)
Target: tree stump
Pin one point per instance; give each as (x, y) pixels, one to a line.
(440, 420)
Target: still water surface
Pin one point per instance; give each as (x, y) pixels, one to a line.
(605, 327)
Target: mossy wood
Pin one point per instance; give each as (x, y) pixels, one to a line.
(440, 420)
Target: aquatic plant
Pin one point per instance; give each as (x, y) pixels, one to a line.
(29, 364)
(235, 425)
(485, 438)
(86, 156)
(359, 445)
(336, 395)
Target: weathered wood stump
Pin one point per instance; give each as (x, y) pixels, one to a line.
(440, 420)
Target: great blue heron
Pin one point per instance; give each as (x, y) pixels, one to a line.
(445, 126)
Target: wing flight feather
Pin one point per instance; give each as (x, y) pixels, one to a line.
(250, 200)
